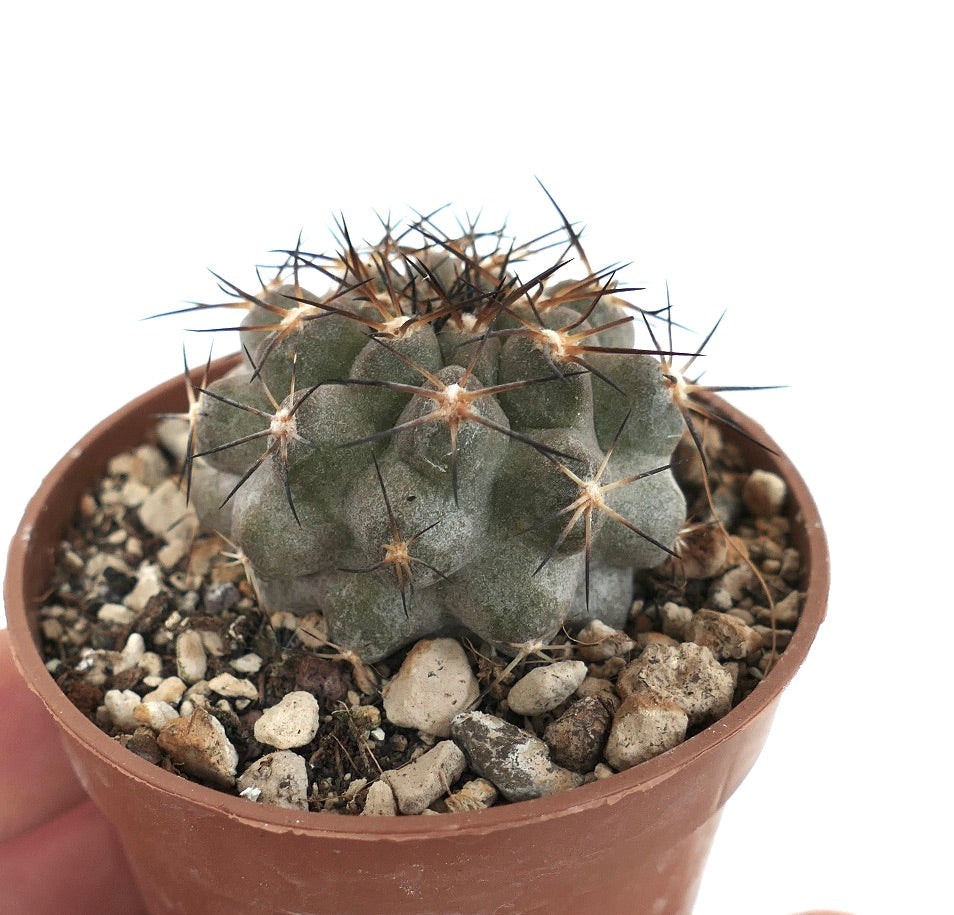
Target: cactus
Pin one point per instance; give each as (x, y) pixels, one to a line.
(433, 444)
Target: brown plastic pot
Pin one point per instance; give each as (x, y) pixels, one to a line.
(633, 843)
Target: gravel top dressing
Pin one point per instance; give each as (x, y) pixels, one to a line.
(154, 631)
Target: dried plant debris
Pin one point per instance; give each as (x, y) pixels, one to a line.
(154, 631)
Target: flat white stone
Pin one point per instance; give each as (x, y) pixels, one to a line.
(155, 715)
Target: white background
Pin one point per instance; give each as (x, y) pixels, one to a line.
(789, 162)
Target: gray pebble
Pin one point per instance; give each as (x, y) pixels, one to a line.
(515, 761)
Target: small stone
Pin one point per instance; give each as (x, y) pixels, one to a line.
(191, 660)
(116, 613)
(702, 550)
(121, 705)
(247, 664)
(154, 715)
(148, 585)
(293, 722)
(673, 619)
(786, 612)
(687, 675)
(599, 642)
(725, 636)
(515, 761)
(232, 687)
(477, 794)
(379, 801)
(764, 493)
(577, 737)
(169, 690)
(198, 745)
(599, 688)
(544, 688)
(131, 654)
(729, 589)
(417, 785)
(221, 598)
(434, 684)
(164, 512)
(644, 726)
(279, 778)
(212, 643)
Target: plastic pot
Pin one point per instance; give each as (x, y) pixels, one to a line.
(633, 843)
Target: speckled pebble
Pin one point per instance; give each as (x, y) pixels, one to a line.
(278, 778)
(687, 674)
(434, 684)
(232, 687)
(727, 637)
(644, 726)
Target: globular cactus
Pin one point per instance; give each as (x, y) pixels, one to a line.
(434, 444)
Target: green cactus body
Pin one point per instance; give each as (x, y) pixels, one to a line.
(432, 445)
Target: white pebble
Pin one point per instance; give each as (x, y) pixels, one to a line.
(417, 785)
(121, 706)
(764, 493)
(434, 684)
(231, 687)
(155, 715)
(191, 660)
(293, 722)
(148, 585)
(247, 664)
(379, 801)
(133, 650)
(115, 613)
(544, 688)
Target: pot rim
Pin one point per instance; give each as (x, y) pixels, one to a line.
(606, 792)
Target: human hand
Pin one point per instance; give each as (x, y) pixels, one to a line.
(58, 853)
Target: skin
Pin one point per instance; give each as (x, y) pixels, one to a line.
(57, 852)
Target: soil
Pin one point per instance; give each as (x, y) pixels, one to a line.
(116, 578)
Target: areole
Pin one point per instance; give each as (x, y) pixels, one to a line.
(636, 842)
